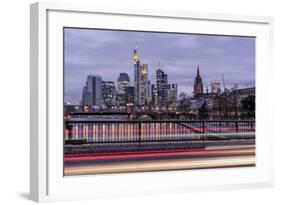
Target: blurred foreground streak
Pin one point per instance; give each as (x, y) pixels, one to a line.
(213, 157)
(99, 147)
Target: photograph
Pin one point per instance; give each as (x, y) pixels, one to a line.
(144, 101)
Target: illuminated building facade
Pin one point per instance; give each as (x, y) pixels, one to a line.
(148, 91)
(140, 80)
(123, 82)
(162, 88)
(215, 86)
(154, 94)
(108, 94)
(172, 92)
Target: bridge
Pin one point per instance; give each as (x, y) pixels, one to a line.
(124, 131)
(134, 115)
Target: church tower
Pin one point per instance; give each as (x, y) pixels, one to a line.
(198, 85)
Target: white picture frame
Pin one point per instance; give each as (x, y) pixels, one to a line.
(46, 175)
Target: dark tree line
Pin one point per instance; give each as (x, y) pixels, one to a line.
(227, 106)
(203, 111)
(249, 107)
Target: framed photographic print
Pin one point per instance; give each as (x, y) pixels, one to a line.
(127, 102)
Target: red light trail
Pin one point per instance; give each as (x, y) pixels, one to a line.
(143, 154)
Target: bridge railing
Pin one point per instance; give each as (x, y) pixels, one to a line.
(93, 131)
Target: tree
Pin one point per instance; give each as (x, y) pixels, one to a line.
(184, 105)
(203, 111)
(226, 105)
(234, 102)
(219, 108)
(249, 106)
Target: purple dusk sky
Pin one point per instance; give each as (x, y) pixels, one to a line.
(107, 53)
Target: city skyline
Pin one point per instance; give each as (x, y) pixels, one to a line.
(102, 53)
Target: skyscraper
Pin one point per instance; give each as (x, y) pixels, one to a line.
(136, 76)
(198, 85)
(86, 97)
(148, 91)
(129, 94)
(123, 81)
(136, 55)
(91, 95)
(140, 80)
(143, 84)
(162, 88)
(108, 94)
(172, 92)
(154, 94)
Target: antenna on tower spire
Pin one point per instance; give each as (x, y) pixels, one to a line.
(223, 82)
(136, 56)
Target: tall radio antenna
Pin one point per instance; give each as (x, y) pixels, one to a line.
(223, 82)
